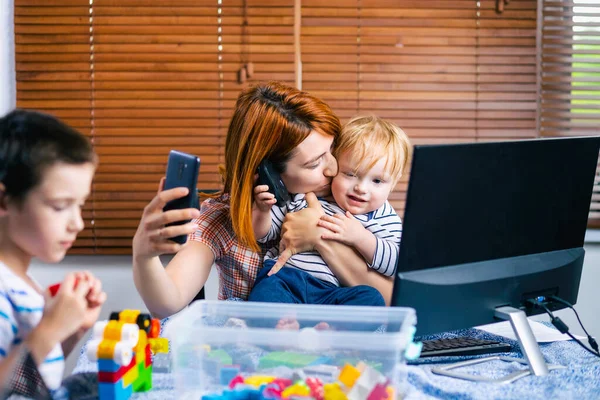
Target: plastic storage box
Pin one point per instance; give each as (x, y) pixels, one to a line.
(216, 344)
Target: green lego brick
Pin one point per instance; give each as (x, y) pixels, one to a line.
(288, 359)
(220, 355)
(144, 381)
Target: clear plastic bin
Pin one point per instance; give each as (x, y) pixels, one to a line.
(213, 341)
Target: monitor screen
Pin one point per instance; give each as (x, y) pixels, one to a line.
(493, 224)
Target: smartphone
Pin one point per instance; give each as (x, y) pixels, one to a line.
(182, 171)
(268, 176)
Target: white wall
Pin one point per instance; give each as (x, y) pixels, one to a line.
(7, 57)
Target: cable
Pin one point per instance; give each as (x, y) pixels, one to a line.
(590, 338)
(560, 325)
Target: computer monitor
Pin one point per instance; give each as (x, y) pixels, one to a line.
(489, 225)
(492, 225)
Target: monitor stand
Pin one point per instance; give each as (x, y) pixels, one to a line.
(529, 347)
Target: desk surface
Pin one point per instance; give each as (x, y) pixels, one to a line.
(580, 380)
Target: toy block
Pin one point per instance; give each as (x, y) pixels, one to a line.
(366, 382)
(159, 345)
(144, 382)
(154, 330)
(236, 381)
(349, 375)
(147, 356)
(227, 373)
(379, 392)
(333, 391)
(289, 359)
(130, 376)
(108, 365)
(258, 380)
(124, 353)
(221, 355)
(297, 389)
(113, 391)
(161, 363)
(129, 316)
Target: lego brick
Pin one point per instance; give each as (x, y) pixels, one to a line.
(144, 381)
(113, 391)
(227, 373)
(130, 376)
(161, 363)
(108, 365)
(349, 375)
(289, 359)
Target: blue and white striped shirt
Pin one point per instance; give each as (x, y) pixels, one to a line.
(21, 309)
(384, 223)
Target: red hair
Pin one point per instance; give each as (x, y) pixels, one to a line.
(270, 121)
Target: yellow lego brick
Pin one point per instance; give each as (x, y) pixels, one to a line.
(333, 391)
(130, 376)
(129, 316)
(113, 330)
(258, 380)
(142, 342)
(106, 349)
(159, 345)
(348, 375)
(295, 390)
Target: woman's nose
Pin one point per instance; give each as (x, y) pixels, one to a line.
(331, 168)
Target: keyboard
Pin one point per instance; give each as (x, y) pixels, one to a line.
(462, 346)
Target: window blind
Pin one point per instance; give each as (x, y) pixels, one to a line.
(569, 101)
(444, 71)
(142, 77)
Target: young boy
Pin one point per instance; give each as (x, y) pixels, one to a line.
(46, 170)
(372, 154)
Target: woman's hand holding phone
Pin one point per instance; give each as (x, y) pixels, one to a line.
(152, 236)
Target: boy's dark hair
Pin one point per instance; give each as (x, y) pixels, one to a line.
(30, 142)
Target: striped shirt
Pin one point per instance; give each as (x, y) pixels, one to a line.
(237, 264)
(21, 309)
(384, 223)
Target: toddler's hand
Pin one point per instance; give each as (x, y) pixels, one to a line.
(263, 200)
(343, 228)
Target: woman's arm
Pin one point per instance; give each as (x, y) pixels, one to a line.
(166, 291)
(301, 233)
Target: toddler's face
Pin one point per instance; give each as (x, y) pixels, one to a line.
(362, 191)
(46, 224)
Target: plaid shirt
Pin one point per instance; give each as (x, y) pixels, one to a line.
(237, 264)
(25, 380)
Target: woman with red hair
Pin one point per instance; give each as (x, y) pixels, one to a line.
(296, 132)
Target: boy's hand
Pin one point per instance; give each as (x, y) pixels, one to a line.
(343, 228)
(75, 306)
(65, 312)
(95, 299)
(263, 200)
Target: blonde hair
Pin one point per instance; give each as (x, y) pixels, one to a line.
(269, 121)
(368, 139)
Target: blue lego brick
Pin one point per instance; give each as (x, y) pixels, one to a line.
(227, 373)
(107, 365)
(114, 391)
